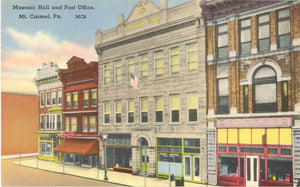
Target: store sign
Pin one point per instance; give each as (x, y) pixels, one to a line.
(148, 21)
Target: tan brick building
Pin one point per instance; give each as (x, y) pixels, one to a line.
(159, 128)
(253, 95)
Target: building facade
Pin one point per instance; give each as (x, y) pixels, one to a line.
(50, 110)
(19, 125)
(80, 137)
(152, 91)
(253, 96)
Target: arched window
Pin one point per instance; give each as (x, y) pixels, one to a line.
(265, 90)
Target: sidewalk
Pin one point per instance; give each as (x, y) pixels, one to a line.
(118, 178)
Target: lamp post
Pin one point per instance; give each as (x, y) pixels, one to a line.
(105, 163)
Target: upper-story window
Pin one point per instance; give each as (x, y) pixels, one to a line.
(175, 108)
(42, 99)
(118, 112)
(59, 96)
(265, 90)
(222, 41)
(284, 30)
(144, 110)
(106, 74)
(159, 109)
(192, 107)
(106, 112)
(53, 121)
(130, 67)
(245, 36)
(192, 58)
(86, 98)
(47, 98)
(264, 32)
(74, 124)
(42, 121)
(118, 72)
(94, 98)
(223, 96)
(130, 110)
(53, 97)
(174, 61)
(67, 124)
(143, 59)
(158, 63)
(68, 100)
(89, 124)
(75, 99)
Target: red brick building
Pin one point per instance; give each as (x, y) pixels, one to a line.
(19, 119)
(253, 97)
(80, 85)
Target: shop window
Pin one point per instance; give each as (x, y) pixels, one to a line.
(166, 161)
(191, 145)
(169, 141)
(262, 168)
(222, 148)
(284, 30)
(143, 66)
(118, 112)
(106, 74)
(86, 98)
(192, 58)
(223, 96)
(174, 61)
(241, 165)
(265, 90)
(280, 169)
(144, 110)
(55, 154)
(158, 63)
(118, 72)
(42, 99)
(158, 109)
(264, 32)
(245, 36)
(252, 150)
(130, 109)
(192, 107)
(232, 149)
(175, 105)
(75, 99)
(286, 151)
(53, 97)
(130, 67)
(106, 113)
(228, 165)
(46, 149)
(273, 151)
(222, 41)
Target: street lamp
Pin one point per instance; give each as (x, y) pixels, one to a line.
(105, 163)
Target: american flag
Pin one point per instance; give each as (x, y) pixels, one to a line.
(134, 81)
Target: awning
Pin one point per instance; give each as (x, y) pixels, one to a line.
(79, 147)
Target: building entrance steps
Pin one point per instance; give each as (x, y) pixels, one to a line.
(119, 178)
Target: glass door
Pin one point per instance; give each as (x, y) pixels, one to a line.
(252, 171)
(144, 160)
(187, 168)
(196, 173)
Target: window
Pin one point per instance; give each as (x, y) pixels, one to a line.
(175, 105)
(118, 72)
(279, 168)
(192, 107)
(46, 149)
(264, 32)
(53, 96)
(223, 96)
(130, 109)
(93, 123)
(159, 109)
(67, 124)
(174, 61)
(106, 112)
(222, 41)
(130, 67)
(144, 110)
(265, 90)
(106, 74)
(284, 95)
(192, 58)
(75, 99)
(245, 36)
(68, 100)
(118, 111)
(58, 121)
(47, 98)
(42, 99)
(158, 63)
(86, 98)
(94, 98)
(143, 66)
(59, 96)
(85, 123)
(284, 30)
(246, 98)
(53, 121)
(42, 122)
(228, 164)
(74, 124)
(47, 121)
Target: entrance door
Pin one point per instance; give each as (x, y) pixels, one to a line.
(144, 161)
(192, 168)
(196, 173)
(252, 171)
(188, 167)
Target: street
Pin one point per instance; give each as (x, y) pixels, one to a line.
(15, 175)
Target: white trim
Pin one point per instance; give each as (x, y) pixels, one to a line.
(78, 112)
(87, 80)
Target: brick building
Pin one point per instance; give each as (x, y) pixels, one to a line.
(50, 110)
(253, 96)
(160, 127)
(19, 119)
(80, 111)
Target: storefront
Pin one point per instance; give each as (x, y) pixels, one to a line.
(46, 145)
(254, 157)
(179, 157)
(83, 152)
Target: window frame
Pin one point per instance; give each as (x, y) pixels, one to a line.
(68, 95)
(42, 100)
(144, 111)
(130, 112)
(106, 113)
(42, 122)
(118, 113)
(171, 65)
(171, 109)
(116, 69)
(265, 38)
(48, 98)
(157, 110)
(86, 102)
(74, 126)
(244, 28)
(53, 99)
(141, 62)
(220, 109)
(94, 101)
(187, 57)
(188, 107)
(156, 61)
(75, 102)
(106, 80)
(287, 18)
(128, 65)
(59, 97)
(218, 34)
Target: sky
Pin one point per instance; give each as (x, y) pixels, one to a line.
(26, 43)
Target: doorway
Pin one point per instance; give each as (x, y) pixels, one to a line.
(144, 155)
(252, 178)
(192, 168)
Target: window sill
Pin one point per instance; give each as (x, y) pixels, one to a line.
(192, 123)
(175, 124)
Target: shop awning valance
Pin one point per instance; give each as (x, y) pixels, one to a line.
(79, 147)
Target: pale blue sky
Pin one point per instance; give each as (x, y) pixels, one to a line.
(27, 43)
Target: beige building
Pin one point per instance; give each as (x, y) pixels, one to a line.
(159, 127)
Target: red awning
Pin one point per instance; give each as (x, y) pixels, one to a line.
(79, 147)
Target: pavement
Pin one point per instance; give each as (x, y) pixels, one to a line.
(119, 178)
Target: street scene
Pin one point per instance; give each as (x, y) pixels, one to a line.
(150, 93)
